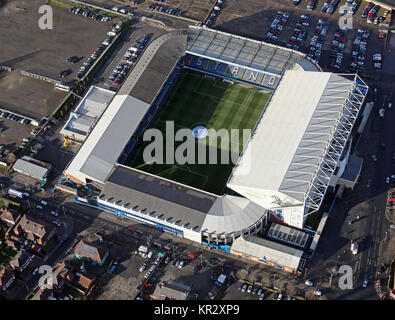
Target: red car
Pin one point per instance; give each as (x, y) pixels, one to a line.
(130, 229)
(191, 255)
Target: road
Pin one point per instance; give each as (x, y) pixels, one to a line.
(365, 207)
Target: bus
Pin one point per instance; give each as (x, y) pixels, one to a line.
(17, 194)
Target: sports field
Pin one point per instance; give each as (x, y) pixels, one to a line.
(211, 103)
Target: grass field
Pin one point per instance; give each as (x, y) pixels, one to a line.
(213, 104)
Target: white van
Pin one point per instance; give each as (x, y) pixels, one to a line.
(149, 254)
(309, 283)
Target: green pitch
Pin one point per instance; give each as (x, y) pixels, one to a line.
(198, 100)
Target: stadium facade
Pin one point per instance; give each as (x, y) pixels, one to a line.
(298, 147)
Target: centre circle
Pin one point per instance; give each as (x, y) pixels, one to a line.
(200, 132)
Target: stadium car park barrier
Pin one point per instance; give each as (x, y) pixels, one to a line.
(81, 3)
(39, 77)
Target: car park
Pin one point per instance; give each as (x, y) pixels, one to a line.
(277, 26)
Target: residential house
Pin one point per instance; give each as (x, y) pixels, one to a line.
(6, 278)
(171, 290)
(83, 281)
(33, 232)
(21, 260)
(9, 216)
(92, 253)
(64, 273)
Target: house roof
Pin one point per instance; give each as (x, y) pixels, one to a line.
(34, 227)
(20, 259)
(85, 280)
(90, 251)
(5, 276)
(8, 215)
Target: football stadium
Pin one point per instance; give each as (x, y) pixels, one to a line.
(300, 119)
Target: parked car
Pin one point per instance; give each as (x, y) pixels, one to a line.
(280, 296)
(309, 283)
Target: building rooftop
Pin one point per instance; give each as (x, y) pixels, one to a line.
(90, 251)
(269, 251)
(31, 169)
(95, 101)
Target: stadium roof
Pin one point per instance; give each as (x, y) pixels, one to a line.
(269, 251)
(101, 149)
(177, 203)
(154, 66)
(287, 234)
(157, 197)
(243, 51)
(231, 213)
(298, 141)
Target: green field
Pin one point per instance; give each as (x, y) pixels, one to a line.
(212, 103)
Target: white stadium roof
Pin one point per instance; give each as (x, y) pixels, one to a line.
(229, 213)
(298, 140)
(101, 149)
